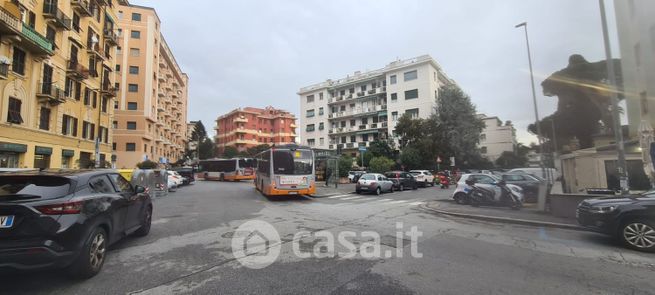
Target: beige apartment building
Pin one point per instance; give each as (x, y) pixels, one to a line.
(151, 110)
(56, 82)
(496, 137)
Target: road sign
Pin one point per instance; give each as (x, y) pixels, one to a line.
(438, 159)
(452, 161)
(362, 148)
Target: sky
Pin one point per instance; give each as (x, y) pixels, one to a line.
(260, 53)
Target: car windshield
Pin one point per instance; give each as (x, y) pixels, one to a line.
(368, 177)
(45, 187)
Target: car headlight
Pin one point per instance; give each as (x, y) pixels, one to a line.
(603, 209)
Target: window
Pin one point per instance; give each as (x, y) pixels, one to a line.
(134, 70)
(435, 76)
(483, 137)
(413, 113)
(132, 106)
(353, 123)
(321, 141)
(483, 149)
(310, 98)
(18, 63)
(44, 119)
(32, 20)
(69, 125)
(135, 34)
(411, 94)
(364, 137)
(364, 121)
(320, 111)
(363, 88)
(310, 113)
(101, 185)
(113, 146)
(394, 116)
(130, 147)
(119, 50)
(310, 128)
(133, 87)
(88, 130)
(131, 125)
(114, 125)
(95, 99)
(311, 142)
(136, 17)
(392, 79)
(50, 34)
(13, 114)
(87, 97)
(409, 76)
(394, 97)
(120, 184)
(135, 52)
(321, 126)
(320, 96)
(353, 138)
(103, 104)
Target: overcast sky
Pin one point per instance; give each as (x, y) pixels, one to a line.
(259, 53)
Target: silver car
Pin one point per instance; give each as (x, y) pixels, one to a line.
(374, 183)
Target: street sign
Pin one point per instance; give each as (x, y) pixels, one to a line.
(452, 161)
(439, 160)
(362, 148)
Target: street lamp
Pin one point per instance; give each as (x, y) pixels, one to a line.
(618, 131)
(534, 99)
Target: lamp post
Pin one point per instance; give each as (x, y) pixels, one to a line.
(618, 132)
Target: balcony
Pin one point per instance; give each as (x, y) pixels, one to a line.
(82, 6)
(240, 120)
(107, 89)
(95, 49)
(57, 17)
(51, 94)
(77, 71)
(36, 42)
(111, 37)
(9, 22)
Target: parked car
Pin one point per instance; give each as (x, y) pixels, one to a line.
(630, 219)
(354, 175)
(187, 174)
(67, 218)
(547, 173)
(402, 180)
(375, 183)
(423, 177)
(175, 180)
(486, 181)
(529, 183)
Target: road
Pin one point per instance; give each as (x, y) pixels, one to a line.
(189, 251)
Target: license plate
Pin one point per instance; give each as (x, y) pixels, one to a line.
(293, 193)
(363, 188)
(6, 221)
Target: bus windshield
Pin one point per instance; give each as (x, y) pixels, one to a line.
(247, 163)
(288, 162)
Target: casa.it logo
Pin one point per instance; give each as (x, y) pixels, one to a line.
(256, 244)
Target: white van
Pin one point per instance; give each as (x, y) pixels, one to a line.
(554, 175)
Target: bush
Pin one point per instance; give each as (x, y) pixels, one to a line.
(345, 165)
(380, 165)
(147, 164)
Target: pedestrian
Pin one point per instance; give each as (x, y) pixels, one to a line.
(328, 173)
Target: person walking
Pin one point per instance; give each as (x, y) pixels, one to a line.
(328, 173)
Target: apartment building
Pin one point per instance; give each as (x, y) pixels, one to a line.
(56, 82)
(248, 127)
(351, 112)
(496, 138)
(151, 110)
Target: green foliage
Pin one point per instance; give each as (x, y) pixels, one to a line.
(410, 158)
(206, 149)
(380, 165)
(147, 164)
(230, 152)
(253, 151)
(367, 158)
(382, 148)
(510, 160)
(345, 165)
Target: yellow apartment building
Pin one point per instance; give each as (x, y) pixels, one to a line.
(151, 110)
(57, 82)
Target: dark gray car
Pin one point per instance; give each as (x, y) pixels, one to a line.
(529, 184)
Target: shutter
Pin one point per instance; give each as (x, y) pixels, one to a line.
(75, 127)
(64, 125)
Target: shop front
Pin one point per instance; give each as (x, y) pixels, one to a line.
(10, 154)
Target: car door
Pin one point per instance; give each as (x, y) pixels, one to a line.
(385, 184)
(134, 201)
(106, 197)
(487, 182)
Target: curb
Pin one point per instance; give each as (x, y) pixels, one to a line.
(506, 220)
(329, 195)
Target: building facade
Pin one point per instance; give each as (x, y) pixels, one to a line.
(151, 110)
(57, 82)
(249, 127)
(496, 138)
(351, 112)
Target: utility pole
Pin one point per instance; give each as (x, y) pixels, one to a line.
(618, 132)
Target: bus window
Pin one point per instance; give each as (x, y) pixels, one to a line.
(247, 163)
(263, 164)
(292, 162)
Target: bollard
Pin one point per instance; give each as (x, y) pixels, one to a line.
(541, 195)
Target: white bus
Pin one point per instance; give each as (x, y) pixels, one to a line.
(286, 170)
(228, 169)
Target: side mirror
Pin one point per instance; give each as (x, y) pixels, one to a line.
(139, 189)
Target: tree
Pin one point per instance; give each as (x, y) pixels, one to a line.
(206, 149)
(345, 165)
(510, 160)
(253, 151)
(381, 165)
(147, 164)
(411, 158)
(409, 130)
(381, 148)
(230, 152)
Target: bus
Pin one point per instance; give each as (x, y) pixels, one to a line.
(286, 170)
(228, 169)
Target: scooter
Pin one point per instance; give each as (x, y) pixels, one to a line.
(499, 194)
(444, 181)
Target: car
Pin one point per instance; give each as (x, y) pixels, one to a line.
(354, 175)
(489, 181)
(67, 219)
(423, 177)
(175, 177)
(187, 175)
(375, 183)
(631, 219)
(546, 173)
(529, 183)
(402, 180)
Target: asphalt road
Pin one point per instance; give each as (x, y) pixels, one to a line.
(189, 250)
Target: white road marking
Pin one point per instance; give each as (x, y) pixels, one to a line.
(351, 198)
(339, 196)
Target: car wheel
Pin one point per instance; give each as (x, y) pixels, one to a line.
(92, 256)
(638, 235)
(144, 230)
(358, 192)
(391, 189)
(460, 198)
(402, 187)
(415, 187)
(378, 191)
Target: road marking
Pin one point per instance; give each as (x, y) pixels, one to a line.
(351, 198)
(416, 203)
(339, 196)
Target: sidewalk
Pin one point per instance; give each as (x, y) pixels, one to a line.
(528, 215)
(322, 191)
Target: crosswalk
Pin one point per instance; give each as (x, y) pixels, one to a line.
(352, 199)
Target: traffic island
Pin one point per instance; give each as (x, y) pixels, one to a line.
(528, 215)
(323, 191)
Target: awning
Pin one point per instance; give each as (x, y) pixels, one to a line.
(13, 147)
(67, 153)
(41, 150)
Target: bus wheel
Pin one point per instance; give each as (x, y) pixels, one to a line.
(221, 178)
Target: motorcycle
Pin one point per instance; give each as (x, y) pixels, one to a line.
(444, 181)
(498, 194)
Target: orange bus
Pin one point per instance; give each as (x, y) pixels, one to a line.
(228, 169)
(286, 170)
